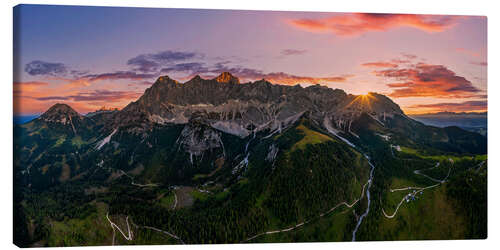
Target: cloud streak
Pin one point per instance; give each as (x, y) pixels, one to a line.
(468, 52)
(359, 23)
(468, 106)
(117, 76)
(22, 87)
(380, 64)
(192, 67)
(479, 63)
(77, 78)
(293, 52)
(291, 79)
(95, 95)
(31, 83)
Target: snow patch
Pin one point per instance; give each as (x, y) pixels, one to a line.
(330, 129)
(385, 137)
(231, 128)
(106, 140)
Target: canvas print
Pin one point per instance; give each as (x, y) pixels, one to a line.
(139, 126)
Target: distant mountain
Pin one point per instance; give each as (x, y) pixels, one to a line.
(447, 113)
(20, 119)
(475, 122)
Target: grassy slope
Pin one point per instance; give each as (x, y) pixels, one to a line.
(412, 151)
(89, 231)
(432, 215)
(95, 230)
(310, 137)
(335, 226)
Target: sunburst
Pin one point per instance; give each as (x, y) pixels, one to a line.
(363, 100)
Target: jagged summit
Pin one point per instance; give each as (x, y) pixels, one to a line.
(165, 79)
(226, 77)
(233, 107)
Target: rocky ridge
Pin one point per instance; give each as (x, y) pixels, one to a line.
(242, 108)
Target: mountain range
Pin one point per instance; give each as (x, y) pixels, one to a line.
(474, 122)
(217, 160)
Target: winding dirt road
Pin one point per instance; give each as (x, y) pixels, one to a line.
(130, 235)
(369, 182)
(416, 189)
(138, 184)
(175, 201)
(161, 231)
(114, 226)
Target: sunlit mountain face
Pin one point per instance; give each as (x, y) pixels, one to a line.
(186, 126)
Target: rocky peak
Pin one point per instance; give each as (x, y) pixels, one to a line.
(165, 80)
(60, 113)
(60, 109)
(226, 77)
(196, 78)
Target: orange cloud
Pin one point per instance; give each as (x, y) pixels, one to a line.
(72, 83)
(288, 79)
(380, 65)
(88, 79)
(36, 97)
(468, 52)
(28, 105)
(28, 86)
(32, 83)
(426, 80)
(359, 23)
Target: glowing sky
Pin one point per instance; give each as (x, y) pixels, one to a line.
(89, 57)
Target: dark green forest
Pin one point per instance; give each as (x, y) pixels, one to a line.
(301, 188)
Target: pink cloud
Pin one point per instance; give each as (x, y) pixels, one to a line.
(380, 64)
(468, 52)
(359, 23)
